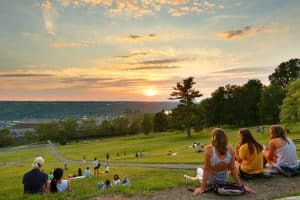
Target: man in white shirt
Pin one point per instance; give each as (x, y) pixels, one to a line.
(96, 165)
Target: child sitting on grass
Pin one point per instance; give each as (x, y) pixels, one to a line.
(87, 172)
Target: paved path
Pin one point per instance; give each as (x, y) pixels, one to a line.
(32, 146)
(56, 153)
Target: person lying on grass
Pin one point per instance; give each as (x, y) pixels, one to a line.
(57, 184)
(219, 158)
(249, 155)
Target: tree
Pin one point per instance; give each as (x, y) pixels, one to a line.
(5, 137)
(147, 124)
(186, 94)
(160, 122)
(290, 109)
(285, 73)
(120, 125)
(89, 126)
(135, 125)
(269, 104)
(216, 106)
(69, 128)
(47, 131)
(106, 128)
(29, 136)
(252, 92)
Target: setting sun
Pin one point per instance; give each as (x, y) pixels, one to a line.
(150, 92)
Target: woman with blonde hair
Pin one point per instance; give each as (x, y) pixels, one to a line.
(219, 159)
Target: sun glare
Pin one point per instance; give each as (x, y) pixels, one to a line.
(150, 92)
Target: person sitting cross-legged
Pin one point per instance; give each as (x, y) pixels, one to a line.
(249, 155)
(282, 151)
(219, 159)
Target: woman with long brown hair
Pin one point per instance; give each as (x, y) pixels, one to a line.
(249, 154)
(282, 150)
(57, 184)
(219, 158)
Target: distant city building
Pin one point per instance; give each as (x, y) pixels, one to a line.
(19, 128)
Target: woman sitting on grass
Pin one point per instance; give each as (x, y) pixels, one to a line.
(249, 155)
(219, 158)
(57, 184)
(282, 151)
(116, 180)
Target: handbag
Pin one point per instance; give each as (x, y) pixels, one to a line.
(228, 189)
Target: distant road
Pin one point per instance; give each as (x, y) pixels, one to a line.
(23, 147)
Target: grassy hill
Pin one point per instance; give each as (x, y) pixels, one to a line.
(14, 164)
(156, 146)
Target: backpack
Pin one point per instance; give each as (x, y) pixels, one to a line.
(228, 189)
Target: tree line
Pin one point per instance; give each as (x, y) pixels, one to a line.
(241, 105)
(233, 105)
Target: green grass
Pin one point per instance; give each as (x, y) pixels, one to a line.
(15, 163)
(156, 146)
(143, 181)
(25, 155)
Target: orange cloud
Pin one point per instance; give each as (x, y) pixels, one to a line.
(47, 5)
(65, 44)
(139, 8)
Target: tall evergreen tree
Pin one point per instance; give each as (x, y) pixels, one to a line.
(186, 94)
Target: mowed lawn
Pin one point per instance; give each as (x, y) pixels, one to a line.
(143, 180)
(15, 163)
(156, 146)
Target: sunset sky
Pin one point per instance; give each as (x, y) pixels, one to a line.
(138, 49)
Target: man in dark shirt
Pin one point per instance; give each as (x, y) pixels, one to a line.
(35, 181)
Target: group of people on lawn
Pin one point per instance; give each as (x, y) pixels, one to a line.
(36, 181)
(247, 159)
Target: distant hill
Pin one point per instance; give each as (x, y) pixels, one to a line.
(16, 110)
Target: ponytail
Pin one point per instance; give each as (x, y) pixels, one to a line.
(53, 187)
(57, 175)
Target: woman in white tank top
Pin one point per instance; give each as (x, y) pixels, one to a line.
(282, 149)
(57, 184)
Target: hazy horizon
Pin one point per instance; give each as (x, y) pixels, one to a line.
(136, 50)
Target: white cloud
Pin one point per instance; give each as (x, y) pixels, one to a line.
(49, 16)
